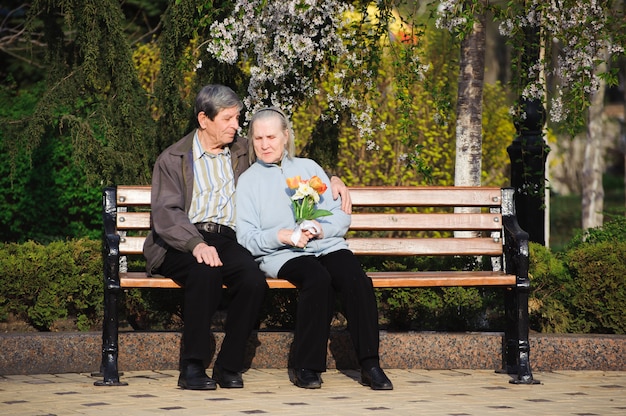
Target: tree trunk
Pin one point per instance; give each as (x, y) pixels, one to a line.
(593, 163)
(468, 163)
(469, 107)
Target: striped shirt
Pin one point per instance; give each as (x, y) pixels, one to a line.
(213, 187)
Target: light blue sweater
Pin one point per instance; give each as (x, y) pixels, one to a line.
(263, 203)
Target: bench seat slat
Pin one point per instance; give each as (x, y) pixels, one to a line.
(441, 278)
(379, 279)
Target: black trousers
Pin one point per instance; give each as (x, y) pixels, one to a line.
(246, 286)
(317, 279)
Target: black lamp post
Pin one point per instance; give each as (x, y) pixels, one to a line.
(528, 154)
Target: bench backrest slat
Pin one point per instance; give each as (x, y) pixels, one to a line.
(133, 220)
(426, 222)
(435, 196)
(371, 222)
(370, 196)
(488, 225)
(387, 246)
(425, 246)
(133, 195)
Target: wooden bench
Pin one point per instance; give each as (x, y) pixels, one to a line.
(398, 211)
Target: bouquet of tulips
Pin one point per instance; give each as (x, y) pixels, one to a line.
(306, 197)
(304, 202)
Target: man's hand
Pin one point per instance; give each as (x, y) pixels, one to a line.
(340, 189)
(207, 254)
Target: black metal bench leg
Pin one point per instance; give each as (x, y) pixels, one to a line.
(509, 343)
(522, 353)
(108, 366)
(110, 328)
(111, 260)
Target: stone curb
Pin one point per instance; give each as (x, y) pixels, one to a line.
(80, 352)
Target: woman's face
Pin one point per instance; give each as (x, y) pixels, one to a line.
(269, 139)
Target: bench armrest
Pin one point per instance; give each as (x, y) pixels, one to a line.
(110, 240)
(516, 259)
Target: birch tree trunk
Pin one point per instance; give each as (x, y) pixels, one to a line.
(468, 162)
(593, 163)
(469, 106)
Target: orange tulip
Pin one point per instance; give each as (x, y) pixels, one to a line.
(317, 184)
(294, 182)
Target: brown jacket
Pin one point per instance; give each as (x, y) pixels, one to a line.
(172, 189)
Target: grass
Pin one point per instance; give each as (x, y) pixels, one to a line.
(566, 211)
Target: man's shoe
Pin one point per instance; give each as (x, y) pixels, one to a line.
(193, 377)
(376, 378)
(307, 379)
(227, 379)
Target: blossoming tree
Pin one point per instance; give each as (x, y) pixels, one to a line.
(576, 40)
(288, 46)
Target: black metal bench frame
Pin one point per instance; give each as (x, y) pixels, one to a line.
(498, 236)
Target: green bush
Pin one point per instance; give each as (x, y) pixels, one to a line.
(448, 309)
(442, 309)
(41, 284)
(583, 289)
(580, 291)
(613, 230)
(151, 308)
(599, 274)
(551, 294)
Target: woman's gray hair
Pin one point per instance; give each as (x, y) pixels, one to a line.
(214, 98)
(265, 113)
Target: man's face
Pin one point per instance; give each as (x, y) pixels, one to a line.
(221, 131)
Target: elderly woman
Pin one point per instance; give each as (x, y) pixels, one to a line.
(292, 241)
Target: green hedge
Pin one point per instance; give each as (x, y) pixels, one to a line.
(42, 284)
(579, 291)
(599, 275)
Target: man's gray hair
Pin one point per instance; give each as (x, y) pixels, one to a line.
(214, 98)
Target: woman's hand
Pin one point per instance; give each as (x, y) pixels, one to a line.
(301, 237)
(285, 237)
(312, 234)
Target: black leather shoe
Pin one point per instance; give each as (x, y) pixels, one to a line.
(376, 378)
(227, 379)
(193, 377)
(307, 379)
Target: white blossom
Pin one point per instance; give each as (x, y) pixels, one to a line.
(281, 41)
(577, 30)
